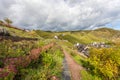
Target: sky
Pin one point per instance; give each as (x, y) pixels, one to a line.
(62, 15)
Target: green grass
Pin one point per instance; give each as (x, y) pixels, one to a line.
(15, 49)
(45, 34)
(49, 64)
(86, 37)
(20, 33)
(87, 76)
(69, 38)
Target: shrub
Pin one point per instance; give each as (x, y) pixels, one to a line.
(105, 62)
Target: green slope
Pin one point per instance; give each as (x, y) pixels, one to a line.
(20, 33)
(88, 36)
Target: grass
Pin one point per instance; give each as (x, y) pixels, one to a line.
(88, 76)
(49, 64)
(20, 33)
(73, 52)
(86, 37)
(15, 49)
(69, 38)
(45, 34)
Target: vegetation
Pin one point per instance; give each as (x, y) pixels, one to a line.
(69, 38)
(8, 21)
(102, 64)
(48, 65)
(15, 49)
(45, 34)
(105, 63)
(1, 22)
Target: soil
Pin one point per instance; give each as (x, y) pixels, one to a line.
(73, 67)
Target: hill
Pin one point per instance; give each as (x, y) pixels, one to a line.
(89, 36)
(24, 56)
(83, 36)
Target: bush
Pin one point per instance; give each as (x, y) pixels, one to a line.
(105, 63)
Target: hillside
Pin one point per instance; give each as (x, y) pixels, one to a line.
(82, 36)
(37, 54)
(89, 36)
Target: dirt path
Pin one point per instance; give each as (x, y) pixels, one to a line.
(66, 72)
(73, 67)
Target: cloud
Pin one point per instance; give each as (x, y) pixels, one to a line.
(58, 15)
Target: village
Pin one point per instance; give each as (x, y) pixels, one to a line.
(84, 49)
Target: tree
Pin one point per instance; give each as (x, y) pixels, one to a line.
(8, 21)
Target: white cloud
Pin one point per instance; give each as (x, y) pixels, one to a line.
(60, 14)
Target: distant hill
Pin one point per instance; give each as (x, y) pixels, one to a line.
(107, 32)
(45, 34)
(88, 36)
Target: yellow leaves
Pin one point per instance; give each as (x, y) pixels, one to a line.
(105, 61)
(109, 69)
